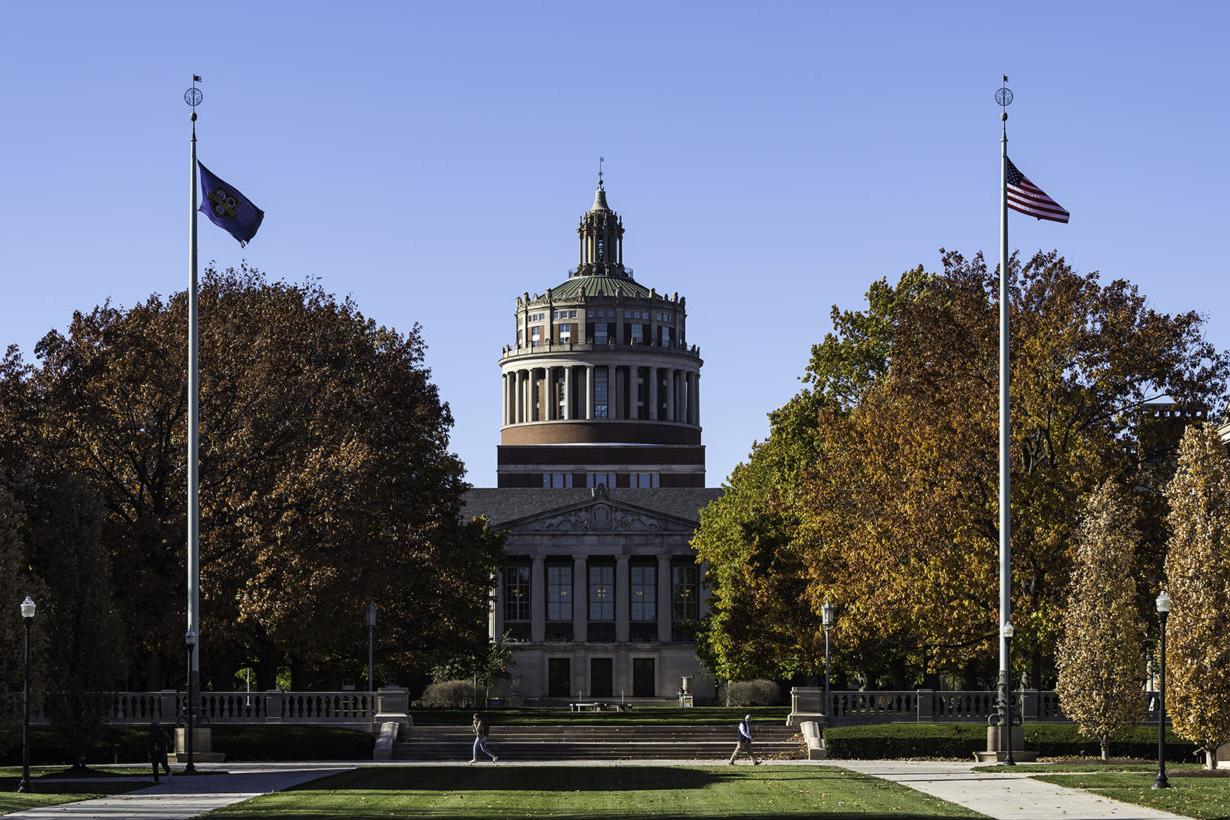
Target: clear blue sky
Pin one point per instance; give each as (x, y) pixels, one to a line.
(768, 159)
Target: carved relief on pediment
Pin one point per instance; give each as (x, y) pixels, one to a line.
(600, 517)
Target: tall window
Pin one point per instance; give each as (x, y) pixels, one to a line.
(638, 333)
(565, 333)
(559, 593)
(664, 334)
(685, 593)
(602, 388)
(600, 333)
(601, 593)
(644, 597)
(535, 335)
(642, 393)
(557, 481)
(561, 398)
(601, 249)
(643, 481)
(517, 593)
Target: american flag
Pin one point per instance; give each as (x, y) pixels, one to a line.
(1027, 198)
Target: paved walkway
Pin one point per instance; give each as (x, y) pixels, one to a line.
(1005, 796)
(179, 798)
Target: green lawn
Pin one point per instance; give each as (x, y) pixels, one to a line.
(1084, 766)
(1192, 792)
(648, 715)
(50, 793)
(589, 792)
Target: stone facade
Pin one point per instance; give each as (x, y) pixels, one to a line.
(600, 482)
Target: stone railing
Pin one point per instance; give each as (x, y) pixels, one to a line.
(957, 706)
(887, 706)
(346, 708)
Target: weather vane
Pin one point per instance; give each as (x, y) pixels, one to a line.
(193, 95)
(1003, 95)
(600, 161)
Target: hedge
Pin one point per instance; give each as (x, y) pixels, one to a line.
(240, 743)
(960, 740)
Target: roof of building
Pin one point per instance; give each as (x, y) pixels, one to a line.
(599, 285)
(600, 198)
(503, 504)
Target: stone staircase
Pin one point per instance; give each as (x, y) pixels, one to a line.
(568, 742)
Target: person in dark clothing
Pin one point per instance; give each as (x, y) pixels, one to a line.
(158, 749)
(744, 741)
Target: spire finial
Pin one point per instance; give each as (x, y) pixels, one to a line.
(600, 161)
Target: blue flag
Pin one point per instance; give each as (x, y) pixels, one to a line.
(228, 209)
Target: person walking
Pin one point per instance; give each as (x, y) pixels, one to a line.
(158, 749)
(481, 729)
(745, 741)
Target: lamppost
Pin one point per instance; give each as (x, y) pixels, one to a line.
(826, 612)
(27, 615)
(1163, 609)
(190, 640)
(1007, 632)
(370, 619)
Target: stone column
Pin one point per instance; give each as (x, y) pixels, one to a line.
(616, 392)
(664, 598)
(621, 598)
(538, 599)
(696, 405)
(589, 392)
(569, 412)
(670, 394)
(653, 394)
(580, 599)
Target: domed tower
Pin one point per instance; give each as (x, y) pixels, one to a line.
(601, 387)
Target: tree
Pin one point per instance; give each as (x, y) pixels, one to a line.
(326, 479)
(86, 650)
(890, 491)
(1101, 661)
(1198, 580)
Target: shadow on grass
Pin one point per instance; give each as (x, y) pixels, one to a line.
(494, 777)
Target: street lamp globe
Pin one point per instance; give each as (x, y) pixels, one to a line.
(27, 608)
(827, 612)
(1163, 602)
(1008, 630)
(190, 638)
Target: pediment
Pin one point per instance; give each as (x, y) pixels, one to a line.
(601, 514)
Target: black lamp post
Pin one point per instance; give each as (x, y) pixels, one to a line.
(27, 615)
(1163, 609)
(370, 619)
(190, 711)
(1008, 631)
(826, 612)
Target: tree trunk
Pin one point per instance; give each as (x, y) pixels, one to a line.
(1210, 758)
(1104, 740)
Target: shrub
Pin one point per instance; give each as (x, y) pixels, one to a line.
(753, 693)
(449, 694)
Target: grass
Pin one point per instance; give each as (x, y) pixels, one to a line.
(643, 715)
(1192, 792)
(52, 793)
(586, 792)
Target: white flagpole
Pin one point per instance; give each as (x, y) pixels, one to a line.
(194, 385)
(1005, 475)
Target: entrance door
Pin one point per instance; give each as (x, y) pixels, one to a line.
(643, 683)
(559, 678)
(600, 677)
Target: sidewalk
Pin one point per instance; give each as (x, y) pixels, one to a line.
(182, 797)
(1005, 796)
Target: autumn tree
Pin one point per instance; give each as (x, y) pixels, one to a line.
(1101, 656)
(326, 480)
(1198, 580)
(895, 512)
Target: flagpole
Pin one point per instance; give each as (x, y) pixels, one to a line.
(1005, 475)
(194, 385)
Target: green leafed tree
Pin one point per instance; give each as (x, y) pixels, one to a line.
(1101, 647)
(1198, 580)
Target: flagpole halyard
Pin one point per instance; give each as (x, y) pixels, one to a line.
(193, 97)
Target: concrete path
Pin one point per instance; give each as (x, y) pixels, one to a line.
(179, 798)
(1005, 796)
